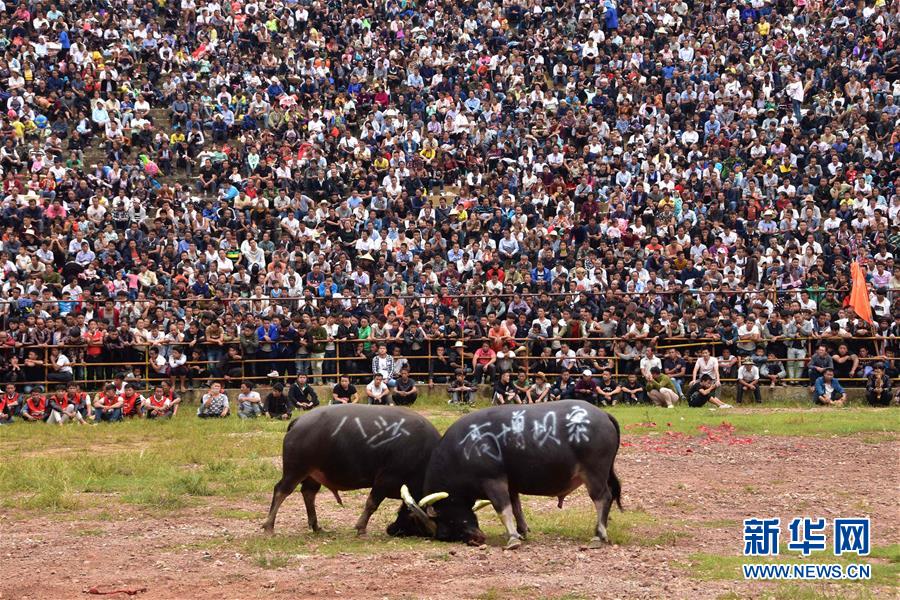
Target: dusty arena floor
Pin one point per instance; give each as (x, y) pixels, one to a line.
(680, 537)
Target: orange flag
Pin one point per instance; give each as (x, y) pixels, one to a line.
(859, 293)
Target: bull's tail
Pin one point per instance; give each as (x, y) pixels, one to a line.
(291, 424)
(614, 485)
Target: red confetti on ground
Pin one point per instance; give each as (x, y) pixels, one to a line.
(678, 442)
(131, 592)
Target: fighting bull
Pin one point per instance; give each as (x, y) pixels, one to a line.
(494, 455)
(353, 446)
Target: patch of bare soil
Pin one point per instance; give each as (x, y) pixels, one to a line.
(700, 490)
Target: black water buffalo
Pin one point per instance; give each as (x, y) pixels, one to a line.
(353, 446)
(501, 452)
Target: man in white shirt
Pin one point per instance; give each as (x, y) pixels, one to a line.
(377, 391)
(748, 381)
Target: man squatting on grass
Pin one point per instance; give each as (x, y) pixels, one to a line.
(214, 403)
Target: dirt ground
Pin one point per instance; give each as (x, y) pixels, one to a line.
(697, 489)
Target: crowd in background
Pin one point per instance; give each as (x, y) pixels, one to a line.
(244, 191)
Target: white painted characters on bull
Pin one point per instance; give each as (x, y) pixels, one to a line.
(517, 428)
(484, 443)
(386, 431)
(544, 431)
(576, 425)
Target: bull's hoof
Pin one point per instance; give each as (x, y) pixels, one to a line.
(513, 543)
(268, 529)
(360, 533)
(596, 543)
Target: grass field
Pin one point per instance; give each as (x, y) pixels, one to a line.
(166, 465)
(97, 474)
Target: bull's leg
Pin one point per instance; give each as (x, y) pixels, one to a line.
(521, 526)
(309, 489)
(284, 488)
(497, 491)
(373, 501)
(602, 497)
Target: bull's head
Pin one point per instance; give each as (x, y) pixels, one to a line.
(444, 518)
(407, 525)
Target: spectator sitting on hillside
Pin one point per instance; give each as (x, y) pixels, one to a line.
(564, 388)
(748, 381)
(9, 404)
(277, 404)
(249, 402)
(773, 370)
(214, 403)
(608, 389)
(344, 392)
(405, 390)
(703, 391)
(878, 386)
(62, 411)
(632, 390)
(660, 389)
(132, 402)
(108, 405)
(377, 391)
(586, 388)
(828, 390)
(302, 395)
(158, 405)
(504, 390)
(461, 390)
(540, 389)
(36, 407)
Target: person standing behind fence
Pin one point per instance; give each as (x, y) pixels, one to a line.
(318, 336)
(214, 403)
(383, 363)
(795, 331)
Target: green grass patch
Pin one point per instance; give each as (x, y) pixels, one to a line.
(173, 465)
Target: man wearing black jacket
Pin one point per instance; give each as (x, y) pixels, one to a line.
(302, 395)
(276, 404)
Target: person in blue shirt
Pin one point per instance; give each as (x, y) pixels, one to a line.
(267, 334)
(828, 390)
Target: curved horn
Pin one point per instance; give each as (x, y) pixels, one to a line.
(432, 498)
(480, 504)
(417, 511)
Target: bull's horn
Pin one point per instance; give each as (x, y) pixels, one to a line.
(480, 504)
(417, 511)
(432, 498)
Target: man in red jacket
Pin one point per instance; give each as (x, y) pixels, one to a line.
(9, 404)
(108, 405)
(36, 407)
(68, 406)
(132, 402)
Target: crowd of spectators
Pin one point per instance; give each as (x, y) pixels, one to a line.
(249, 190)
